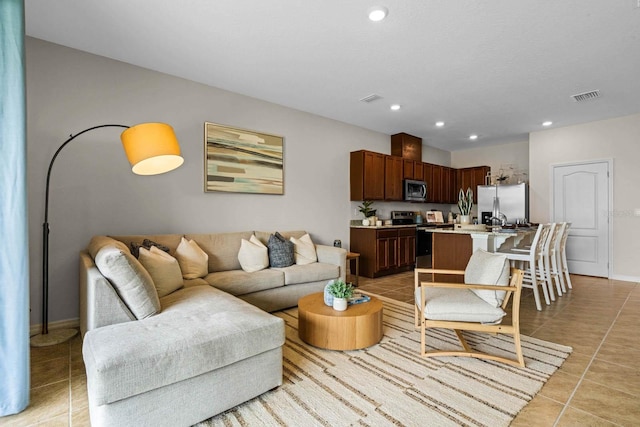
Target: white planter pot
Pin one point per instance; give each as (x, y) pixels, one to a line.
(465, 219)
(339, 304)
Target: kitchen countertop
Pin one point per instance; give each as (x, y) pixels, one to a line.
(424, 225)
(380, 227)
(507, 231)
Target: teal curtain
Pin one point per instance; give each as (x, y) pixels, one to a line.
(14, 271)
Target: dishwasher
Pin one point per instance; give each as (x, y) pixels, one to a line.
(424, 241)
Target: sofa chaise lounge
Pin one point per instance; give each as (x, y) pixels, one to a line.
(208, 346)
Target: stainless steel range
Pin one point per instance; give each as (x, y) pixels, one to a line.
(403, 217)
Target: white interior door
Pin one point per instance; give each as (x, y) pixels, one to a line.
(581, 197)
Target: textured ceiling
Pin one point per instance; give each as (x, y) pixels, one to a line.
(497, 68)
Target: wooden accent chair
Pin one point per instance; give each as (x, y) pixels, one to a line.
(477, 305)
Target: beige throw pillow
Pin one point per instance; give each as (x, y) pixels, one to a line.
(163, 269)
(253, 255)
(305, 250)
(194, 262)
(130, 279)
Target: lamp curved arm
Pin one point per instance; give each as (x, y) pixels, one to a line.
(45, 229)
(53, 159)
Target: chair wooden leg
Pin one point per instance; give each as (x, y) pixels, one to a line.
(423, 338)
(462, 340)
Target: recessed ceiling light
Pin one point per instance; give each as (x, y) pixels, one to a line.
(473, 137)
(547, 123)
(378, 13)
(395, 107)
(439, 124)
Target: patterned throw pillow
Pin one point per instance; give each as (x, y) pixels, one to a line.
(147, 244)
(281, 251)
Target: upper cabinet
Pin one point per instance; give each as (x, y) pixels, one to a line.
(376, 176)
(367, 175)
(393, 168)
(406, 146)
(471, 178)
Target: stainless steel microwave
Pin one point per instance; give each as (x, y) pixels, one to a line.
(414, 191)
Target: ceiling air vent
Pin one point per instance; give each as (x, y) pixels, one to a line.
(586, 96)
(371, 98)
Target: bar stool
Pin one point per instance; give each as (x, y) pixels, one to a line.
(555, 256)
(544, 259)
(563, 256)
(528, 261)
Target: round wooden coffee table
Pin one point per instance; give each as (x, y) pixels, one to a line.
(359, 326)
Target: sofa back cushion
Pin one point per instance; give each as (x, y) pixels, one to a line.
(130, 279)
(222, 249)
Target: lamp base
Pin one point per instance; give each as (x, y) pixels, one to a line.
(54, 337)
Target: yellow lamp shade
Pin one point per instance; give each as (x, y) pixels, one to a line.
(152, 148)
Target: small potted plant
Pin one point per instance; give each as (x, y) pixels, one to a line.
(341, 292)
(367, 212)
(465, 203)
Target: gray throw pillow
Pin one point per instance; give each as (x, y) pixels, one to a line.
(281, 251)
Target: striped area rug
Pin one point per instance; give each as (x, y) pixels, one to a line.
(389, 384)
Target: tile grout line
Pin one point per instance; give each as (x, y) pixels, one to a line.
(584, 373)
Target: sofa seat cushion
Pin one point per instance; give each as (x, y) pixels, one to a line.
(199, 330)
(240, 282)
(315, 272)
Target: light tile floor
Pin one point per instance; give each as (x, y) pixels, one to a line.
(598, 385)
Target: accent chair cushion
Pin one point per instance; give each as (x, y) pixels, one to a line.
(163, 269)
(457, 305)
(132, 282)
(194, 262)
(253, 255)
(281, 252)
(485, 268)
(305, 250)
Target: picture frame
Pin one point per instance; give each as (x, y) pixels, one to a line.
(239, 160)
(435, 217)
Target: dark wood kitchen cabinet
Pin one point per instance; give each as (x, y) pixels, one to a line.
(367, 175)
(413, 170)
(436, 183)
(471, 178)
(406, 247)
(406, 146)
(427, 175)
(393, 169)
(384, 251)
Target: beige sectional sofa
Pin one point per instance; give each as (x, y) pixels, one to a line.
(203, 348)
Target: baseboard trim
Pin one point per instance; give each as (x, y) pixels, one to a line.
(60, 324)
(625, 278)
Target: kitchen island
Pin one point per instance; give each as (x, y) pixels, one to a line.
(453, 248)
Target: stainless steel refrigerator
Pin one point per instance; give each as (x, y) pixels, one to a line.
(514, 202)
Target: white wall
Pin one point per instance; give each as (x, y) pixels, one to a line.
(94, 192)
(516, 153)
(615, 139)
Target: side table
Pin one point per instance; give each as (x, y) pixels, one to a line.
(350, 257)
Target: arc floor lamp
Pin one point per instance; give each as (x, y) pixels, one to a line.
(152, 149)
